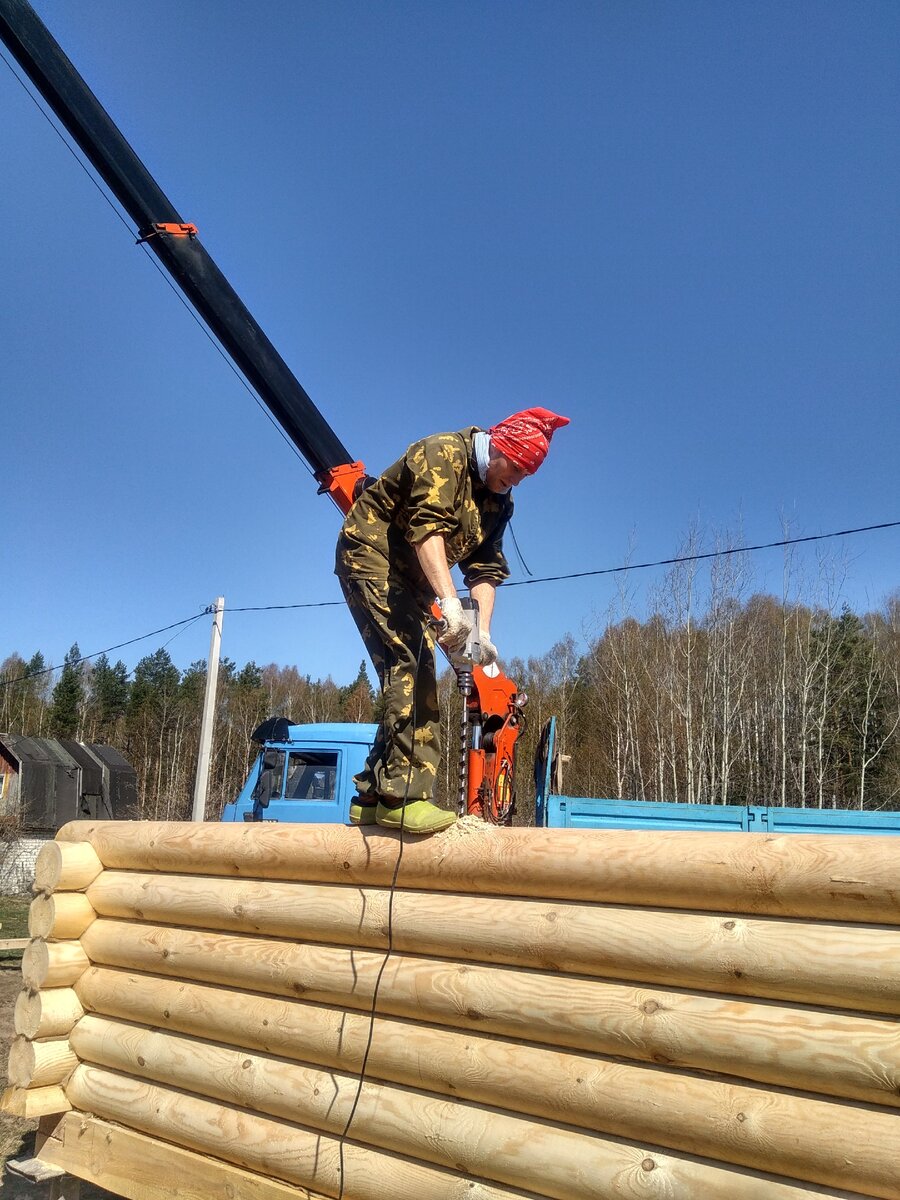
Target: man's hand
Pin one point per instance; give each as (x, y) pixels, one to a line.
(488, 649)
(453, 636)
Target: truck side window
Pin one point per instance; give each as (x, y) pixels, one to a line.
(311, 775)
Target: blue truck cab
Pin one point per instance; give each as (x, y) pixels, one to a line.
(305, 775)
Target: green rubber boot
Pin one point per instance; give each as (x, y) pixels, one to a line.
(417, 816)
(362, 812)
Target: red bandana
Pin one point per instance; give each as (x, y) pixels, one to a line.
(524, 438)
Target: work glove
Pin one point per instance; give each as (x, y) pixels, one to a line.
(488, 649)
(455, 627)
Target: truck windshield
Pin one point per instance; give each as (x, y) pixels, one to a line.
(311, 775)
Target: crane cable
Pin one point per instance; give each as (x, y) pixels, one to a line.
(177, 291)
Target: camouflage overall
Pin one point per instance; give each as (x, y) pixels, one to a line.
(433, 488)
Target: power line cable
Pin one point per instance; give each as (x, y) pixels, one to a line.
(177, 291)
(282, 607)
(210, 610)
(524, 565)
(661, 562)
(96, 654)
(685, 558)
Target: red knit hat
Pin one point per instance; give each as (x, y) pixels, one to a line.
(524, 438)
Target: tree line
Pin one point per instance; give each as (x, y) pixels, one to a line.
(716, 697)
(153, 716)
(724, 698)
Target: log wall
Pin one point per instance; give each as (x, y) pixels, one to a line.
(579, 1015)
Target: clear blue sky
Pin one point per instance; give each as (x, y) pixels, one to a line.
(676, 223)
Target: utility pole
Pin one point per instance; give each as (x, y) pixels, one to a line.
(209, 713)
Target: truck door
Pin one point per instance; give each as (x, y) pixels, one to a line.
(311, 793)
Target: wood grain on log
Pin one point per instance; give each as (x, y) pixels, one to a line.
(835, 877)
(48, 1013)
(837, 1054)
(37, 1064)
(31, 1103)
(473, 1151)
(818, 1141)
(138, 1167)
(52, 964)
(842, 966)
(59, 915)
(66, 865)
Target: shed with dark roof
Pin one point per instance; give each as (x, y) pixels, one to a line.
(47, 782)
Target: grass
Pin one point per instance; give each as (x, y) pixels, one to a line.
(14, 919)
(14, 915)
(15, 1134)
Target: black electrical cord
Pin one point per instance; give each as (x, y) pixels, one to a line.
(390, 929)
(524, 565)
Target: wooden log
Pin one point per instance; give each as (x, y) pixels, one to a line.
(61, 915)
(833, 877)
(832, 1053)
(37, 1064)
(66, 866)
(277, 1150)
(31, 1103)
(840, 965)
(460, 1140)
(138, 1167)
(818, 1141)
(49, 1013)
(688, 949)
(320, 912)
(52, 964)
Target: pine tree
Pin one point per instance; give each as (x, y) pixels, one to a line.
(152, 724)
(156, 680)
(23, 694)
(860, 716)
(249, 678)
(34, 695)
(851, 702)
(109, 698)
(12, 668)
(357, 700)
(68, 697)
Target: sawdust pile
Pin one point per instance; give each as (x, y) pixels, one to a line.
(467, 827)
